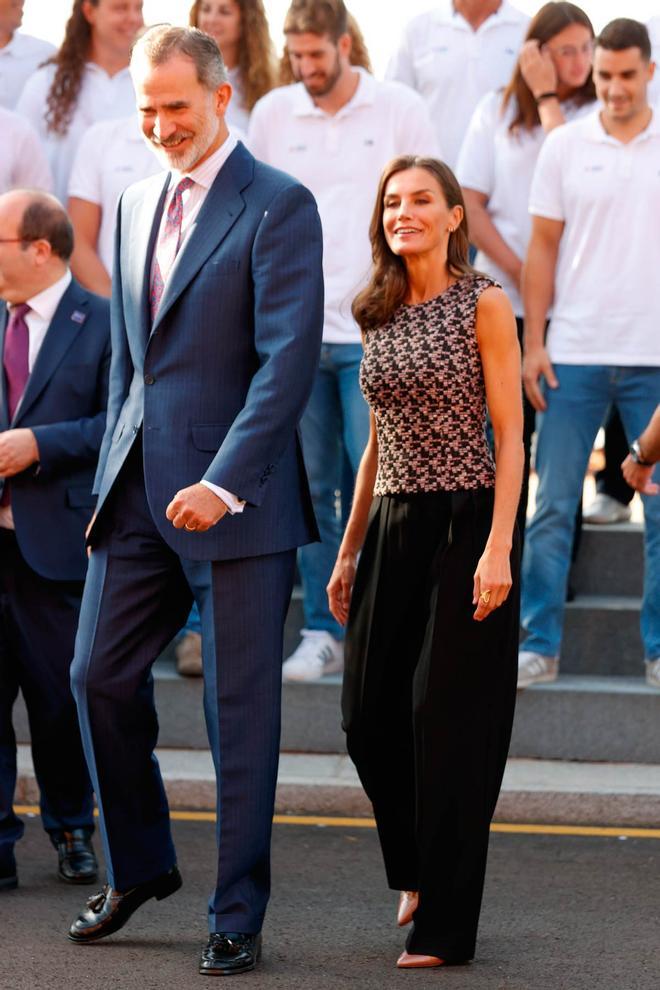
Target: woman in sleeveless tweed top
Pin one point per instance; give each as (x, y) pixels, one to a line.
(432, 606)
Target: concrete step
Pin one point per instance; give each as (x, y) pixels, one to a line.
(602, 637)
(533, 791)
(610, 561)
(576, 718)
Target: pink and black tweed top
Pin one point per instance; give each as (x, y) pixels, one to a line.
(422, 376)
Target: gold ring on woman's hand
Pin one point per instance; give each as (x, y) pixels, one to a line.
(484, 597)
(191, 529)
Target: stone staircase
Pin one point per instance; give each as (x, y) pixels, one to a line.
(599, 709)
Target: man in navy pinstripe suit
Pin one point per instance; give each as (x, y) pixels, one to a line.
(216, 324)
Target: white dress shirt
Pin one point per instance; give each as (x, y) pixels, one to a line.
(18, 60)
(23, 162)
(203, 177)
(101, 97)
(42, 310)
(452, 66)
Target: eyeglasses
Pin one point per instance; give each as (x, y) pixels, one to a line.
(570, 51)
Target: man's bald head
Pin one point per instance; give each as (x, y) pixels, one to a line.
(36, 242)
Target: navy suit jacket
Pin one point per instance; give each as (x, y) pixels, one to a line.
(219, 382)
(64, 404)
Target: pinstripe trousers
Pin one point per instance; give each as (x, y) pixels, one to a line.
(137, 596)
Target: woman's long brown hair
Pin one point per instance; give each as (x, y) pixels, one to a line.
(70, 61)
(546, 23)
(256, 55)
(388, 283)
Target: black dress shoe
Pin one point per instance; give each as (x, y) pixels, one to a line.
(75, 853)
(8, 874)
(227, 953)
(108, 911)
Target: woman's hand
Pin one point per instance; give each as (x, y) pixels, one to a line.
(537, 68)
(340, 586)
(492, 582)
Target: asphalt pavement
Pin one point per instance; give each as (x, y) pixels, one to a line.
(573, 912)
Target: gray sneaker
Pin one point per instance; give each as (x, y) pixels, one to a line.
(653, 672)
(318, 654)
(604, 509)
(534, 668)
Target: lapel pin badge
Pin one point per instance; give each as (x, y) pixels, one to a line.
(78, 317)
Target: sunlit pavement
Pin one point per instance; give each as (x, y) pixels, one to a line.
(560, 911)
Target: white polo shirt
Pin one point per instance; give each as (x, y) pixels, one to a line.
(18, 60)
(23, 162)
(607, 282)
(340, 159)
(453, 66)
(102, 97)
(501, 165)
(111, 156)
(654, 32)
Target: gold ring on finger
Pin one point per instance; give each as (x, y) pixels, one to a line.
(191, 529)
(485, 597)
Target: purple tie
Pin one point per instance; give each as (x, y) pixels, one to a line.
(16, 364)
(168, 244)
(16, 354)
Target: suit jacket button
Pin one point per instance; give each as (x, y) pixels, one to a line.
(149, 379)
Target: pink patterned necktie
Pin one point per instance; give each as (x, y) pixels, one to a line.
(16, 356)
(168, 244)
(16, 364)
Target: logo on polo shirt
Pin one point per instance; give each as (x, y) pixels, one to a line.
(594, 168)
(297, 147)
(370, 142)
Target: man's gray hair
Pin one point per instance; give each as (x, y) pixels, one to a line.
(160, 43)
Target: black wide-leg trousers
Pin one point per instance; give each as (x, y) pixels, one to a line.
(428, 703)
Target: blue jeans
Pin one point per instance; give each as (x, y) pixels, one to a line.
(565, 438)
(335, 429)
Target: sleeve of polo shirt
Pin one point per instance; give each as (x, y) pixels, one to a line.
(84, 182)
(546, 198)
(257, 136)
(31, 169)
(32, 101)
(401, 67)
(475, 168)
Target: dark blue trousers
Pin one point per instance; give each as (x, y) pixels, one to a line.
(137, 596)
(38, 620)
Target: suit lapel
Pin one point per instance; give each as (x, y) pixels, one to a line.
(220, 210)
(68, 320)
(144, 232)
(4, 414)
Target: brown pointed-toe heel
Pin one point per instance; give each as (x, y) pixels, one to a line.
(408, 961)
(408, 901)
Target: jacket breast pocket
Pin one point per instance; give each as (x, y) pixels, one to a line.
(223, 266)
(209, 436)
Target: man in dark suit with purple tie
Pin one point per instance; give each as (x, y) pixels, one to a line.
(217, 313)
(55, 347)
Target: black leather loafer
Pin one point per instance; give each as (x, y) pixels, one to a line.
(75, 853)
(108, 911)
(228, 953)
(8, 874)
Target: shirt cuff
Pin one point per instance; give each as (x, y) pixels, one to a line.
(234, 504)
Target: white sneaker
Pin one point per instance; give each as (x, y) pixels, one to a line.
(653, 672)
(318, 654)
(534, 668)
(605, 509)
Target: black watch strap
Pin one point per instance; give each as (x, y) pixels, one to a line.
(637, 456)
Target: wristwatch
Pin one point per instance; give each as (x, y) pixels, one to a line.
(637, 456)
